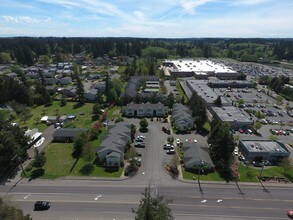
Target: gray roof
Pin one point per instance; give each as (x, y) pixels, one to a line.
(117, 138)
(264, 146)
(231, 114)
(194, 153)
(181, 114)
(68, 132)
(201, 88)
(135, 106)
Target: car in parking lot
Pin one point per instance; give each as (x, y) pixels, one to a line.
(42, 205)
(171, 151)
(139, 144)
(168, 146)
(178, 141)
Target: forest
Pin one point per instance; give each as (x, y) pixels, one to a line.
(28, 50)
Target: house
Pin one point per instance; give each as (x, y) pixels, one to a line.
(48, 74)
(12, 75)
(182, 117)
(144, 110)
(70, 91)
(196, 155)
(91, 95)
(51, 89)
(100, 86)
(50, 81)
(93, 76)
(112, 148)
(65, 80)
(258, 150)
(32, 75)
(67, 134)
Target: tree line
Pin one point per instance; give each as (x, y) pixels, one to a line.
(29, 50)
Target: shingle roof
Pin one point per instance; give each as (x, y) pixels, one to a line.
(194, 153)
(68, 132)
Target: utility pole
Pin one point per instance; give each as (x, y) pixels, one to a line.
(199, 172)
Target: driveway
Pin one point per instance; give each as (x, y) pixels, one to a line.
(154, 157)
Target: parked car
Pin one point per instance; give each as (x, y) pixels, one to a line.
(178, 141)
(42, 205)
(139, 144)
(171, 151)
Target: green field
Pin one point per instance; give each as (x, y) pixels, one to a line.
(60, 163)
(83, 114)
(247, 174)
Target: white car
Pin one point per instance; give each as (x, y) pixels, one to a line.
(141, 137)
(178, 141)
(171, 151)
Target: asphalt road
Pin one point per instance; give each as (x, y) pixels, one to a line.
(108, 200)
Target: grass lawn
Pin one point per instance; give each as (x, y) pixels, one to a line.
(207, 126)
(38, 112)
(210, 177)
(61, 163)
(249, 173)
(180, 90)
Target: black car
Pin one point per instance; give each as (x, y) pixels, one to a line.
(42, 205)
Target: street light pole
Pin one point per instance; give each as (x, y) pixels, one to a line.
(198, 178)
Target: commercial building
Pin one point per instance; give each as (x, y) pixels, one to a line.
(208, 95)
(258, 150)
(233, 116)
(200, 69)
(230, 83)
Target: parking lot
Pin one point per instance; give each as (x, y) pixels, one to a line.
(154, 156)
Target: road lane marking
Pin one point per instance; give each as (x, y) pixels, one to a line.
(28, 195)
(97, 197)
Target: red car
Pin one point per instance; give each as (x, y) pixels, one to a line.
(241, 131)
(290, 214)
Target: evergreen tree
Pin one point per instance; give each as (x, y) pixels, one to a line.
(8, 212)
(221, 147)
(218, 102)
(153, 208)
(79, 90)
(39, 159)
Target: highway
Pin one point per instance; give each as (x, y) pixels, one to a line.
(113, 200)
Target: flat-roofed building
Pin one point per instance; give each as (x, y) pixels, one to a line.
(258, 150)
(230, 83)
(200, 68)
(207, 94)
(233, 116)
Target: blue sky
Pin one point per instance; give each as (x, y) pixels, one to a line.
(147, 18)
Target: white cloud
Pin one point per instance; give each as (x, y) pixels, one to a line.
(190, 5)
(248, 2)
(24, 19)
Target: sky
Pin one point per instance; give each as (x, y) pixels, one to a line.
(147, 18)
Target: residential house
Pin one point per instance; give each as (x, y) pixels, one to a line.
(182, 117)
(91, 95)
(93, 76)
(67, 134)
(144, 110)
(65, 80)
(100, 86)
(51, 89)
(196, 156)
(69, 91)
(112, 148)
